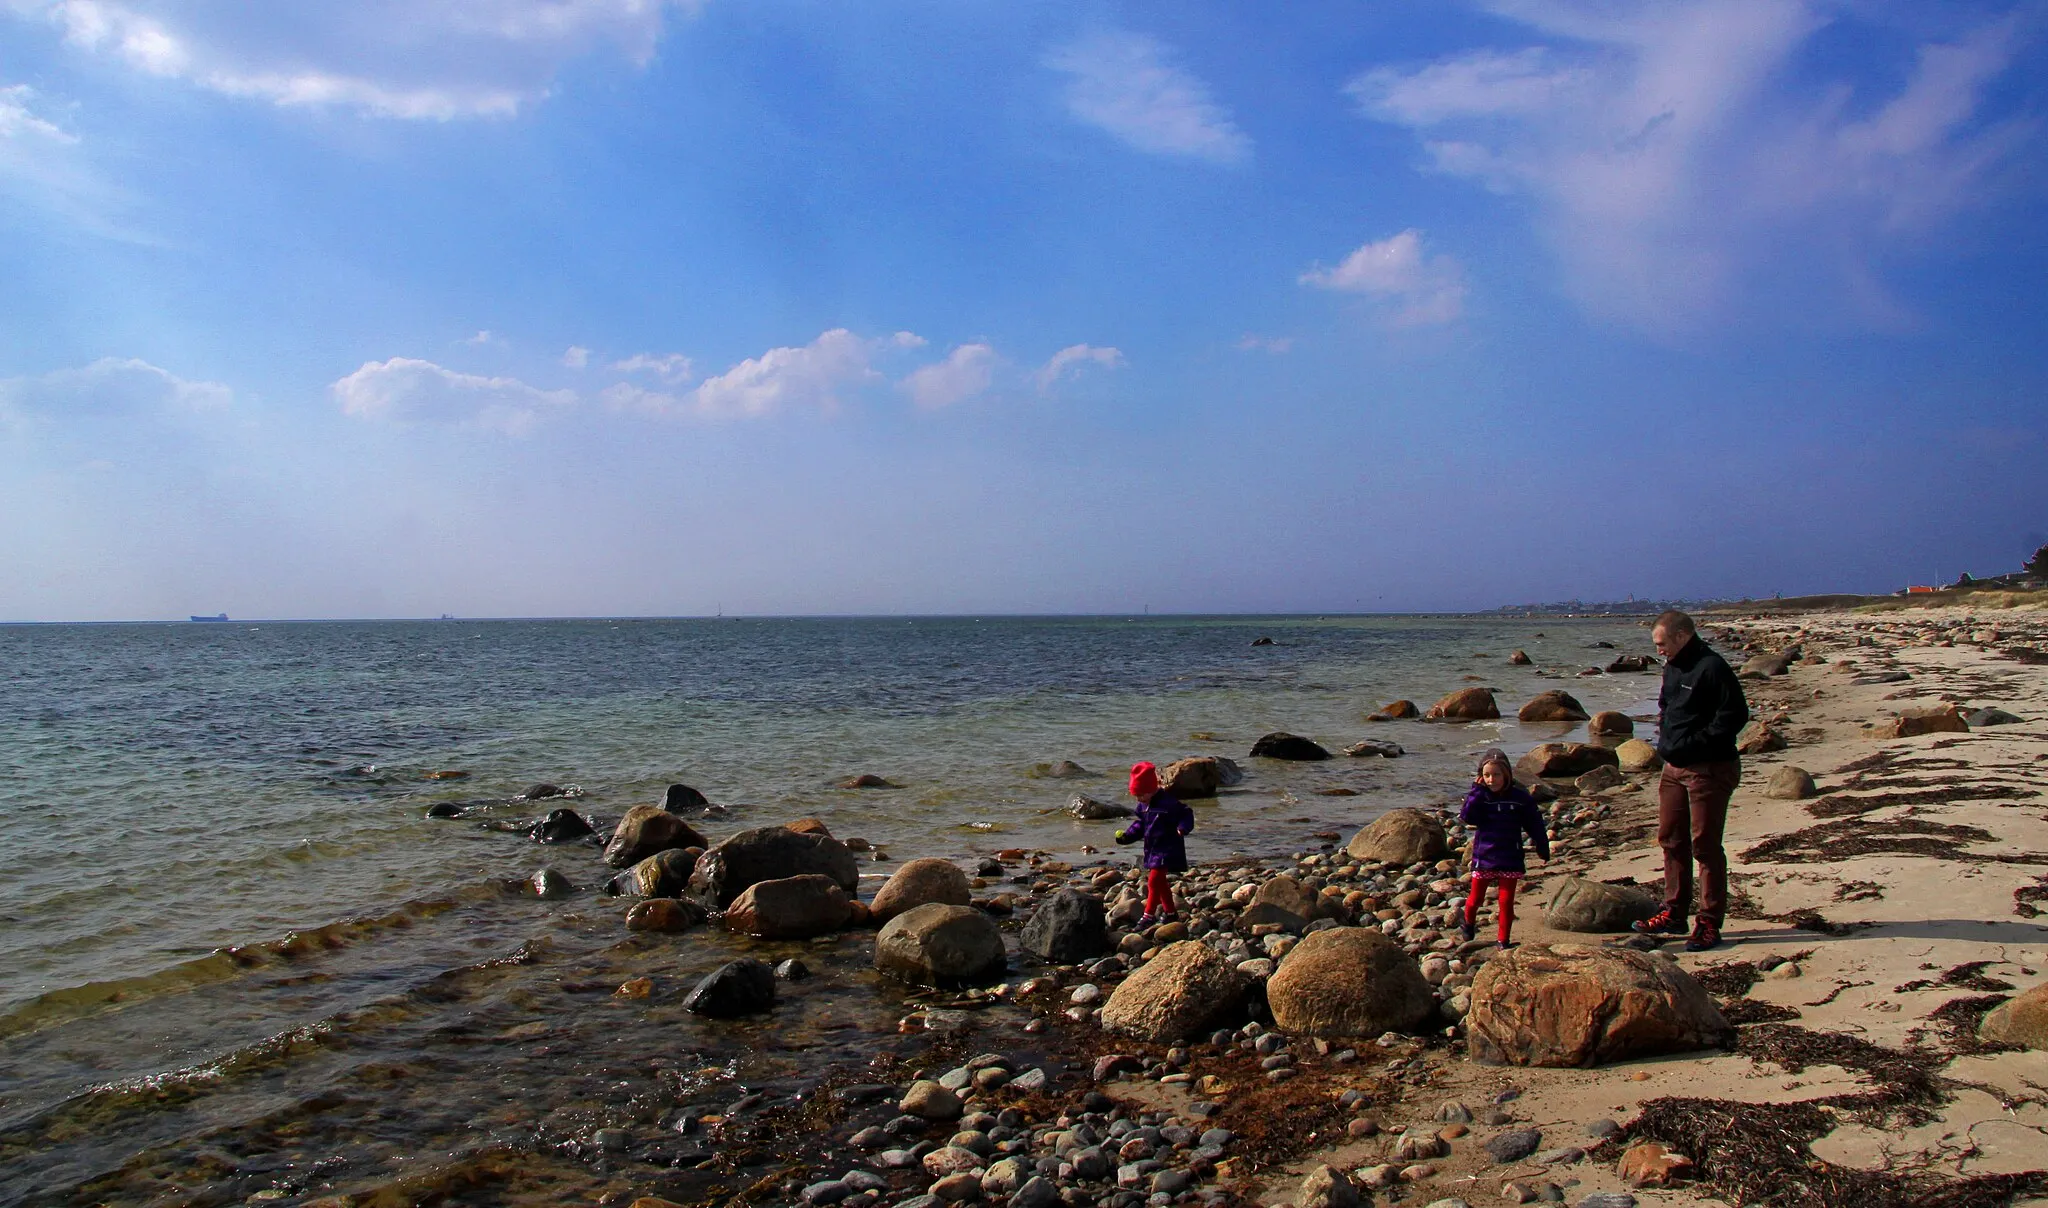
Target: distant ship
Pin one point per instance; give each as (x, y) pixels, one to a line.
(221, 617)
(446, 616)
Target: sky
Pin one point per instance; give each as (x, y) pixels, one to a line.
(387, 308)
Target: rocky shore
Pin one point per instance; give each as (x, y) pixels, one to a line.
(1313, 1031)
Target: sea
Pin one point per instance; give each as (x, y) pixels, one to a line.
(239, 961)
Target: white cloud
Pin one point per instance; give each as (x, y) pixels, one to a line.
(1669, 158)
(406, 390)
(576, 356)
(670, 367)
(1253, 342)
(46, 166)
(420, 59)
(1420, 289)
(967, 371)
(110, 386)
(811, 376)
(1073, 359)
(1129, 85)
(482, 338)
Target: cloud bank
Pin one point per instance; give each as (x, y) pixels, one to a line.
(1130, 86)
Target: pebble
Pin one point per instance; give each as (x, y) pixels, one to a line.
(1561, 1156)
(1514, 1145)
(1608, 1199)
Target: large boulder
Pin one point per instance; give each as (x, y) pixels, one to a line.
(2022, 1021)
(1282, 745)
(740, 987)
(768, 853)
(1185, 990)
(1635, 755)
(1348, 981)
(561, 826)
(789, 908)
(1200, 776)
(1609, 724)
(1564, 759)
(1581, 905)
(1403, 836)
(1567, 1005)
(679, 797)
(937, 944)
(1554, 705)
(645, 830)
(1940, 719)
(662, 875)
(1088, 809)
(1399, 710)
(919, 882)
(1789, 783)
(1466, 704)
(664, 914)
(1068, 927)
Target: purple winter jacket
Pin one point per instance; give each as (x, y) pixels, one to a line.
(1161, 822)
(1498, 824)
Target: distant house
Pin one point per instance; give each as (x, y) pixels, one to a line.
(1919, 590)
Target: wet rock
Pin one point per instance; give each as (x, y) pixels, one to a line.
(1554, 705)
(1790, 784)
(789, 908)
(664, 915)
(1197, 777)
(646, 830)
(1760, 738)
(1652, 1165)
(2022, 1021)
(1563, 759)
(1632, 662)
(1374, 746)
(1513, 1145)
(741, 987)
(918, 883)
(1088, 809)
(1579, 904)
(1182, 992)
(541, 792)
(1599, 780)
(679, 797)
(1943, 719)
(550, 885)
(662, 875)
(444, 809)
(1609, 724)
(1466, 704)
(1400, 710)
(1403, 836)
(927, 1100)
(866, 780)
(793, 970)
(1037, 1192)
(1348, 981)
(1067, 928)
(562, 826)
(940, 945)
(1519, 658)
(1635, 755)
(1565, 1005)
(769, 853)
(1282, 745)
(1327, 1187)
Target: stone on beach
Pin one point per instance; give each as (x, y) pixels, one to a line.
(1566, 1005)
(1288, 894)
(664, 914)
(1635, 755)
(940, 945)
(1910, 723)
(1088, 809)
(1466, 704)
(1764, 666)
(741, 987)
(1609, 724)
(789, 908)
(1790, 784)
(1582, 905)
(1599, 780)
(1068, 927)
(927, 1100)
(1399, 710)
(679, 797)
(1403, 836)
(918, 883)
(1348, 981)
(1327, 1187)
(664, 874)
(646, 830)
(1519, 658)
(1760, 738)
(1282, 745)
(1554, 705)
(2022, 1021)
(1180, 993)
(1563, 759)
(767, 853)
(1989, 716)
(561, 826)
(549, 884)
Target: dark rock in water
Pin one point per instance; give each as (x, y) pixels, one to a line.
(1466, 704)
(1603, 646)
(1070, 926)
(1554, 705)
(1610, 724)
(792, 970)
(741, 987)
(1282, 745)
(560, 826)
(1563, 759)
(1262, 641)
(1632, 662)
(680, 797)
(1990, 717)
(661, 875)
(790, 908)
(1519, 658)
(549, 884)
(1197, 777)
(541, 791)
(768, 853)
(1374, 746)
(1399, 710)
(444, 809)
(866, 780)
(1088, 809)
(1067, 769)
(989, 866)
(664, 914)
(645, 830)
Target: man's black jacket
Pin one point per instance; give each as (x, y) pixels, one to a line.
(1703, 707)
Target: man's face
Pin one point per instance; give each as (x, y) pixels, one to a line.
(1668, 643)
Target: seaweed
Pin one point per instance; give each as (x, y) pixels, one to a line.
(1968, 976)
(1832, 841)
(2025, 896)
(1815, 921)
(1958, 1019)
(1859, 891)
(1836, 806)
(1742, 1011)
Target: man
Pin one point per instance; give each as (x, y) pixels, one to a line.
(1703, 709)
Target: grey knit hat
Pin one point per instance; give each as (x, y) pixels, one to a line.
(1494, 755)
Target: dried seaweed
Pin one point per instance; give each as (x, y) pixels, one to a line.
(2033, 656)
(1958, 1019)
(1815, 921)
(1859, 891)
(1967, 976)
(1833, 841)
(1742, 1011)
(1837, 806)
(2025, 896)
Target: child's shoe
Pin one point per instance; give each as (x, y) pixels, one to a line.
(1504, 945)
(1469, 930)
(1146, 920)
(1169, 916)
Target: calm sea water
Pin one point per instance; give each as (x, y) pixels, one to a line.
(226, 918)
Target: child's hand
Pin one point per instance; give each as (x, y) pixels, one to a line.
(1126, 837)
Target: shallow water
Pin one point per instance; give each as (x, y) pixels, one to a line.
(235, 954)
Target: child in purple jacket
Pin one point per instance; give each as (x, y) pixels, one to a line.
(1500, 812)
(1161, 820)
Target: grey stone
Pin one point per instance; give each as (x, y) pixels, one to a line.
(1513, 1145)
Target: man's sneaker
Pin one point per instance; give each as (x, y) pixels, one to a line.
(1664, 922)
(1469, 930)
(1705, 934)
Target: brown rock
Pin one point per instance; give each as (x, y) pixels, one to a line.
(1519, 658)
(665, 874)
(1609, 724)
(1563, 759)
(1790, 784)
(1635, 755)
(2022, 1021)
(1287, 893)
(1400, 710)
(919, 882)
(1649, 1164)
(1190, 778)
(1599, 780)
(1327, 1187)
(1466, 704)
(809, 826)
(866, 780)
(1177, 994)
(1759, 738)
(767, 853)
(1348, 981)
(1565, 1005)
(664, 914)
(940, 945)
(646, 830)
(1942, 719)
(1554, 705)
(789, 908)
(1403, 836)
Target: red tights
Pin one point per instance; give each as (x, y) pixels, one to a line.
(1507, 904)
(1158, 894)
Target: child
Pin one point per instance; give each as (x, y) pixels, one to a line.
(1499, 811)
(1161, 821)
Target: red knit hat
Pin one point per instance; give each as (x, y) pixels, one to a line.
(1144, 779)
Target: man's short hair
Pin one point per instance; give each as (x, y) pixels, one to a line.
(1673, 621)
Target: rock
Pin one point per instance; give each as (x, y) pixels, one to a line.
(680, 797)
(1759, 738)
(664, 915)
(1287, 893)
(1609, 724)
(1327, 1187)
(938, 944)
(1632, 662)
(1402, 836)
(1599, 780)
(1348, 981)
(1513, 1145)
(1553, 706)
(550, 885)
(562, 826)
(1067, 769)
(1183, 991)
(1400, 710)
(2022, 1021)
(769, 853)
(1067, 928)
(540, 792)
(792, 970)
(1565, 1005)
(1764, 666)
(1979, 718)
(1466, 704)
(1649, 1164)
(920, 882)
(927, 1100)
(1373, 746)
(1608, 1199)
(1563, 759)
(1942, 719)
(866, 780)
(1282, 745)
(444, 809)
(1088, 809)
(1200, 776)
(1037, 1192)
(662, 875)
(1635, 755)
(1519, 658)
(790, 908)
(1582, 905)
(741, 987)
(1790, 784)
(645, 830)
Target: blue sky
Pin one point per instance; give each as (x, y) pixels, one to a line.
(569, 307)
